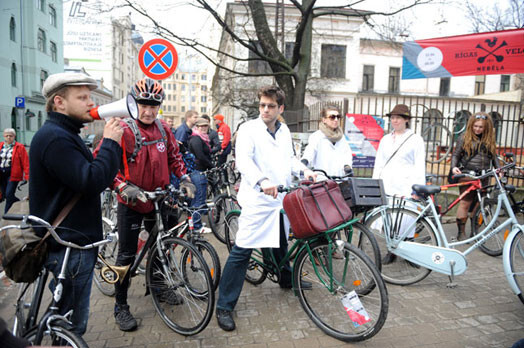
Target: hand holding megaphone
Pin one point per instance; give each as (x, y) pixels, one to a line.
(113, 130)
(125, 107)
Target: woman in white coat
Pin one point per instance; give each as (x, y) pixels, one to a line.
(400, 161)
(265, 159)
(327, 148)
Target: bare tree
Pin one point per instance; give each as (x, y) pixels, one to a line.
(290, 73)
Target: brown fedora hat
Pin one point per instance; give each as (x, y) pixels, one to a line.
(400, 110)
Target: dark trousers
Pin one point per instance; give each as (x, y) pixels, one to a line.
(8, 188)
(235, 270)
(223, 156)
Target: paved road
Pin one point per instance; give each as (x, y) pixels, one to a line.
(480, 312)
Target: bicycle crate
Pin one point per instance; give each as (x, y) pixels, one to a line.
(362, 194)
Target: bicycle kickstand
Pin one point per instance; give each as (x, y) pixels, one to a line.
(452, 284)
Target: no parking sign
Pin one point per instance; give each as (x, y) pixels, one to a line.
(158, 59)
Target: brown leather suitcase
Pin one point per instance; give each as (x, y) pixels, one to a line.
(315, 208)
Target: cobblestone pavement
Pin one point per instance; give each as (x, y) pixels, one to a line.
(481, 312)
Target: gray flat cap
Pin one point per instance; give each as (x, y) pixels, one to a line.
(57, 81)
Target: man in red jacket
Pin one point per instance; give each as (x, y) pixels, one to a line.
(14, 167)
(224, 134)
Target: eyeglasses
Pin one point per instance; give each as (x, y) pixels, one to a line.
(269, 106)
(149, 96)
(484, 117)
(334, 117)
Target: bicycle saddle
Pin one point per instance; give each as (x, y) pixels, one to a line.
(424, 190)
(510, 188)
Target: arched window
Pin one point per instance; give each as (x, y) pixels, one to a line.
(12, 29)
(13, 74)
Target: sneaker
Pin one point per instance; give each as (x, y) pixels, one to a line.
(205, 230)
(171, 298)
(225, 320)
(124, 318)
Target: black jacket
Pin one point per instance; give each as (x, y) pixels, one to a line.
(214, 141)
(481, 159)
(202, 153)
(61, 166)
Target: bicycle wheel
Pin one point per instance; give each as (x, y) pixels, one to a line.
(333, 279)
(516, 262)
(182, 288)
(56, 337)
(26, 292)
(395, 269)
(255, 274)
(210, 255)
(109, 252)
(439, 141)
(364, 239)
(494, 245)
(222, 205)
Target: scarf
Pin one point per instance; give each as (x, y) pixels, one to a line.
(332, 135)
(203, 136)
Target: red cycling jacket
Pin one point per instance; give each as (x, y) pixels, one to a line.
(19, 162)
(225, 132)
(153, 164)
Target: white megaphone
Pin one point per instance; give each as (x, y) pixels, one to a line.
(125, 107)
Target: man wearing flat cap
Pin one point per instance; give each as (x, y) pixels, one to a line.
(63, 170)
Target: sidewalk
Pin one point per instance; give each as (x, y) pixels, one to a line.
(480, 312)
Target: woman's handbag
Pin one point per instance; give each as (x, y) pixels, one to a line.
(23, 252)
(315, 208)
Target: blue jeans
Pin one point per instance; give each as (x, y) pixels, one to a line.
(235, 270)
(200, 182)
(77, 285)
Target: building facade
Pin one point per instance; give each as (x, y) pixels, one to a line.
(32, 42)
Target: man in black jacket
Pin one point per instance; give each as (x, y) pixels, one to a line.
(63, 167)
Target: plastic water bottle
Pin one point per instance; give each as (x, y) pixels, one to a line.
(142, 238)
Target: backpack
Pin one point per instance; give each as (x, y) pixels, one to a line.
(138, 137)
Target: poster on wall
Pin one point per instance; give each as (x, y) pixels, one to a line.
(363, 133)
(497, 52)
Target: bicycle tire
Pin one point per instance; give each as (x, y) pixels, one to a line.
(494, 245)
(232, 174)
(109, 252)
(194, 288)
(351, 271)
(255, 273)
(222, 205)
(516, 262)
(67, 338)
(26, 292)
(395, 269)
(364, 239)
(436, 137)
(210, 255)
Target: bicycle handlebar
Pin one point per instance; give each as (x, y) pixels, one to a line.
(490, 172)
(29, 221)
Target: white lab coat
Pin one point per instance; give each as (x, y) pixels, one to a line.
(322, 154)
(260, 156)
(406, 168)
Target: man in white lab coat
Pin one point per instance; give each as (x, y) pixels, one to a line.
(265, 159)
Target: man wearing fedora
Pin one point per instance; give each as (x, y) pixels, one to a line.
(62, 167)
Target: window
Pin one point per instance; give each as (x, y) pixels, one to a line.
(169, 97)
(444, 86)
(203, 77)
(168, 86)
(333, 61)
(504, 83)
(193, 87)
(193, 99)
(12, 29)
(13, 75)
(169, 108)
(183, 109)
(52, 16)
(40, 118)
(203, 99)
(183, 87)
(183, 99)
(174, 108)
(43, 77)
(174, 97)
(394, 80)
(193, 77)
(41, 41)
(480, 84)
(257, 65)
(40, 4)
(176, 76)
(203, 110)
(28, 115)
(203, 88)
(52, 48)
(174, 87)
(368, 78)
(183, 76)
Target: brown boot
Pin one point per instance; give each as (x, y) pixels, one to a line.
(461, 224)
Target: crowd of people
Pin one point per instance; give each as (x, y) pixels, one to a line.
(264, 157)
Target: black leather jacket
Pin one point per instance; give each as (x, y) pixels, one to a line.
(481, 159)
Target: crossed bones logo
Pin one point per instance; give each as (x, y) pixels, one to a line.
(491, 43)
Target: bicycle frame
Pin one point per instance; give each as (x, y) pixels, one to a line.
(474, 185)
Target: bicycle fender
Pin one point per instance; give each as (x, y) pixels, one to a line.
(435, 258)
(506, 258)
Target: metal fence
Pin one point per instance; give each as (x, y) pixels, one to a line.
(440, 121)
